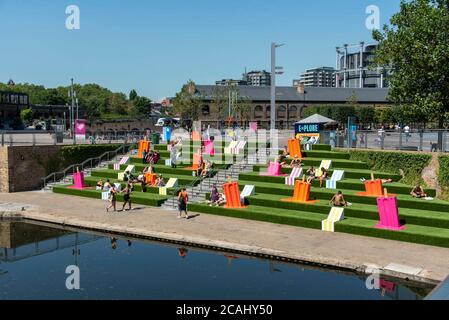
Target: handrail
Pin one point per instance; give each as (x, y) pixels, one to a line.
(200, 179)
(92, 161)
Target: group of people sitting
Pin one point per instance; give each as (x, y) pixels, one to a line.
(217, 199)
(151, 157)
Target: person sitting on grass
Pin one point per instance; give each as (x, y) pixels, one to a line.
(156, 157)
(207, 169)
(311, 174)
(160, 182)
(338, 200)
(324, 176)
(296, 162)
(214, 195)
(221, 200)
(100, 185)
(418, 192)
(279, 160)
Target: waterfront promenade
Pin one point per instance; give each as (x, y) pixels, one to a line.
(351, 252)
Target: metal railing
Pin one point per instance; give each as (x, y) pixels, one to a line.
(410, 140)
(35, 138)
(89, 163)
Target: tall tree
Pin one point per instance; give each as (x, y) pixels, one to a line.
(416, 46)
(187, 102)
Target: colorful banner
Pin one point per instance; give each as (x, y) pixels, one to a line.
(80, 130)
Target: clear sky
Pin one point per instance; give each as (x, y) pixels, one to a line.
(156, 46)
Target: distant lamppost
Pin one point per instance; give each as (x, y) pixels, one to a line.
(274, 71)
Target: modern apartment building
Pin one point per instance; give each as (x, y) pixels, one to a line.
(257, 78)
(355, 69)
(230, 82)
(317, 77)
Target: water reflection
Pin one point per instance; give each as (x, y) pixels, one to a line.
(33, 259)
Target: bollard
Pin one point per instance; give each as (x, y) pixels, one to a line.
(366, 140)
(34, 139)
(421, 139)
(10, 140)
(400, 139)
(3, 139)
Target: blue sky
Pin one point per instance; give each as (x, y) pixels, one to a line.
(156, 46)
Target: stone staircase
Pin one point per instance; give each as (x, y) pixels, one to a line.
(198, 192)
(68, 179)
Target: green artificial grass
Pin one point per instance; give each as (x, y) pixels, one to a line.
(327, 155)
(146, 199)
(413, 233)
(92, 182)
(112, 174)
(404, 201)
(349, 174)
(348, 184)
(339, 164)
(159, 169)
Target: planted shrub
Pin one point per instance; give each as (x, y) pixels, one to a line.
(412, 165)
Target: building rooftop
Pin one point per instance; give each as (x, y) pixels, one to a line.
(312, 94)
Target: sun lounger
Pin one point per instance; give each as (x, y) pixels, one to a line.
(337, 176)
(248, 191)
(296, 173)
(326, 164)
(232, 146)
(335, 215)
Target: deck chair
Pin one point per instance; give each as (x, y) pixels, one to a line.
(105, 196)
(130, 169)
(296, 173)
(326, 164)
(248, 191)
(335, 215)
(337, 176)
(240, 146)
(231, 148)
(172, 183)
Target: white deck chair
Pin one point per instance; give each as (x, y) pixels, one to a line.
(335, 215)
(336, 176)
(296, 173)
(248, 191)
(326, 164)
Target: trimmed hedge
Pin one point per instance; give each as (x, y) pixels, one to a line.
(69, 155)
(413, 233)
(146, 199)
(412, 164)
(444, 171)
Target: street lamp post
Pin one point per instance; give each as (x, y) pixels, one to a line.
(274, 71)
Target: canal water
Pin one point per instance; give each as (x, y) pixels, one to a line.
(34, 258)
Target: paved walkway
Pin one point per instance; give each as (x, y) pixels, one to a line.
(430, 264)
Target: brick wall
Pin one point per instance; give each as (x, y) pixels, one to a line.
(4, 172)
(23, 167)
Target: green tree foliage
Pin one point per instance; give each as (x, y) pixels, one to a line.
(26, 115)
(96, 100)
(415, 46)
(187, 103)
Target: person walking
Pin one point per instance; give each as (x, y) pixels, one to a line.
(127, 196)
(183, 199)
(112, 199)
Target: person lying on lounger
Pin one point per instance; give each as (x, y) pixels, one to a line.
(311, 174)
(338, 200)
(418, 192)
(324, 176)
(296, 162)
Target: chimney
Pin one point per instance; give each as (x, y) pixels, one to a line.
(192, 88)
(301, 88)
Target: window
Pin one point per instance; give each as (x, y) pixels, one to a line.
(258, 112)
(292, 112)
(282, 112)
(206, 110)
